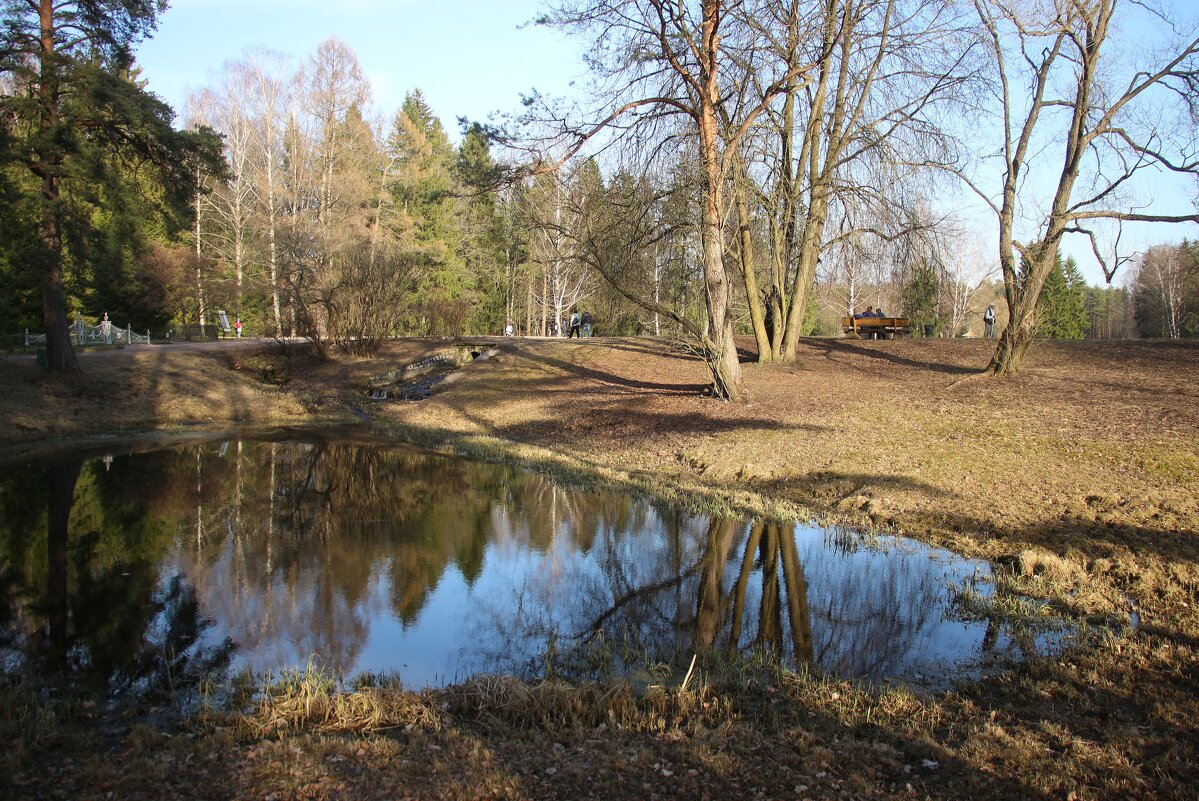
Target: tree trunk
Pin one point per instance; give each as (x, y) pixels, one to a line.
(798, 613)
(747, 567)
(709, 611)
(805, 274)
(1022, 293)
(757, 314)
(1016, 337)
(770, 614)
(720, 347)
(60, 355)
(271, 247)
(200, 312)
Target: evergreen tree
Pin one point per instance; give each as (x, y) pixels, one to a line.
(425, 191)
(489, 249)
(920, 297)
(1062, 307)
(75, 102)
(1109, 313)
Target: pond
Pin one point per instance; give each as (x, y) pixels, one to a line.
(141, 566)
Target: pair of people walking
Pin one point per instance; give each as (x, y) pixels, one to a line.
(580, 324)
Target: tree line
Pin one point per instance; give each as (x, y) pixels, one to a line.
(737, 168)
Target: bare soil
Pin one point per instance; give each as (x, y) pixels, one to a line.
(1080, 476)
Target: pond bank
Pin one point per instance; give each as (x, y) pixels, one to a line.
(1080, 475)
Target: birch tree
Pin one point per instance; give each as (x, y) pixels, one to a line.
(1166, 280)
(266, 84)
(233, 204)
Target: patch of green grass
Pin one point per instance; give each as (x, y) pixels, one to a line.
(1169, 465)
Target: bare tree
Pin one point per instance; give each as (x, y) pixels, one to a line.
(266, 84)
(232, 208)
(658, 62)
(964, 271)
(1074, 106)
(552, 208)
(826, 167)
(326, 200)
(1165, 274)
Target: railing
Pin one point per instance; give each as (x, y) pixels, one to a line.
(103, 334)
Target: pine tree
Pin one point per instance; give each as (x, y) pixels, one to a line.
(488, 248)
(76, 102)
(1062, 308)
(425, 192)
(920, 297)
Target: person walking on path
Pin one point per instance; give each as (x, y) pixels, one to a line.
(989, 322)
(576, 324)
(587, 323)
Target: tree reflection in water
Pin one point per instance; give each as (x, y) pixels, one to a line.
(84, 602)
(371, 556)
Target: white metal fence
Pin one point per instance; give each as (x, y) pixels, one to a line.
(103, 334)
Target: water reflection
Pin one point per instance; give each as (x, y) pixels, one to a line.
(86, 593)
(370, 556)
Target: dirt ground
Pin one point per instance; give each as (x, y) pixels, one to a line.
(1080, 477)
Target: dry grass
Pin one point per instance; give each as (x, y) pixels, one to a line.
(1079, 479)
(311, 700)
(141, 389)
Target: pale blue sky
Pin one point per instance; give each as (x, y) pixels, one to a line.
(467, 56)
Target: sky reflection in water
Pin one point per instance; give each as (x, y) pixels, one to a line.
(367, 556)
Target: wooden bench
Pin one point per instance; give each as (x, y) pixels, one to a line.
(890, 327)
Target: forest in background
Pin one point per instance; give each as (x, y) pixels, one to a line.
(330, 221)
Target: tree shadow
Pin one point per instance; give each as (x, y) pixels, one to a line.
(616, 420)
(833, 347)
(652, 347)
(834, 486)
(610, 379)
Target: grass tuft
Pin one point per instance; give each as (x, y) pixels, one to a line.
(312, 700)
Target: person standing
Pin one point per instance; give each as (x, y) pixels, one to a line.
(989, 322)
(237, 327)
(106, 329)
(576, 324)
(587, 323)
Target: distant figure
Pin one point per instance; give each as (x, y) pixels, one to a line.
(237, 328)
(106, 329)
(587, 323)
(881, 333)
(576, 324)
(989, 322)
(509, 330)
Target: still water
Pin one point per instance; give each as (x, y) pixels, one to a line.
(367, 556)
